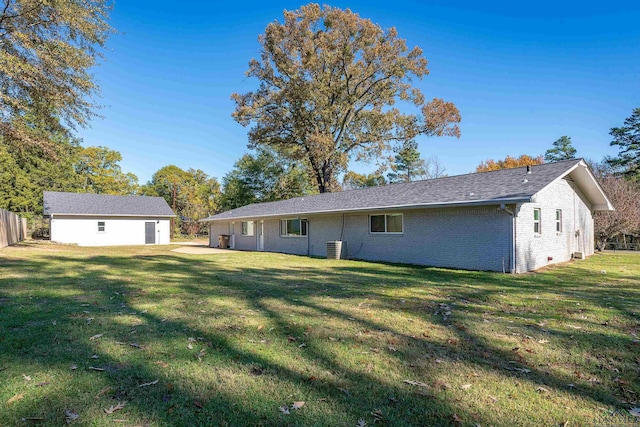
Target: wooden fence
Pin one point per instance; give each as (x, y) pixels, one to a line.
(12, 228)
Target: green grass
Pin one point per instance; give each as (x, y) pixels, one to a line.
(231, 338)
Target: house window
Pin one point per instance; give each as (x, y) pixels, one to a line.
(387, 223)
(101, 227)
(536, 221)
(559, 220)
(247, 228)
(293, 227)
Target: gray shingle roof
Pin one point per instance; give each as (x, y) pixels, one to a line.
(472, 189)
(58, 203)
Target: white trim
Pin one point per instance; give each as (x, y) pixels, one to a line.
(386, 233)
(306, 229)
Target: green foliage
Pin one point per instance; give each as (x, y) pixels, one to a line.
(27, 171)
(408, 165)
(100, 172)
(627, 139)
(47, 49)
(329, 82)
(192, 194)
(353, 180)
(263, 177)
(562, 150)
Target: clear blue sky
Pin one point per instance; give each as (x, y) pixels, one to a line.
(522, 74)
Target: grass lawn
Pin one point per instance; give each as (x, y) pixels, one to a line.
(235, 339)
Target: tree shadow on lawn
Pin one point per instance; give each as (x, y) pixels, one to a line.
(296, 287)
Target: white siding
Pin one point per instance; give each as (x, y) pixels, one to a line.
(533, 250)
(118, 230)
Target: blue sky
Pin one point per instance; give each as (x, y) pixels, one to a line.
(521, 73)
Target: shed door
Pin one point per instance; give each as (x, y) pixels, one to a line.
(150, 233)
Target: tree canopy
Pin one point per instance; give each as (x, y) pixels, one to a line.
(100, 172)
(263, 177)
(192, 194)
(509, 162)
(329, 82)
(47, 49)
(627, 139)
(562, 150)
(353, 180)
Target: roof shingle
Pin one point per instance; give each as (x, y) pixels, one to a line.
(506, 185)
(59, 203)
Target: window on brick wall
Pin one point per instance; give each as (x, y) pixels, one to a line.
(559, 220)
(537, 225)
(388, 223)
(247, 228)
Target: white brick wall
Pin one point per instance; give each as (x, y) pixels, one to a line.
(533, 250)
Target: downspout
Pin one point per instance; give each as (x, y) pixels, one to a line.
(512, 261)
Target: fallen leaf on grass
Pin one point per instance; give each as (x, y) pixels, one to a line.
(362, 423)
(15, 398)
(198, 404)
(95, 356)
(161, 363)
(200, 355)
(465, 386)
(284, 410)
(345, 391)
(73, 367)
(115, 408)
(416, 383)
(95, 337)
(543, 341)
(70, 416)
(26, 377)
(148, 384)
(297, 405)
(542, 389)
(93, 368)
(135, 345)
(303, 345)
(103, 391)
(43, 383)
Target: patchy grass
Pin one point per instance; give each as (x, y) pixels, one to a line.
(232, 338)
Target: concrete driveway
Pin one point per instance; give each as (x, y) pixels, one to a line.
(200, 250)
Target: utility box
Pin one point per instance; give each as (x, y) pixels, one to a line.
(223, 241)
(334, 249)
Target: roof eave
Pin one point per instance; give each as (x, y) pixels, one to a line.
(464, 203)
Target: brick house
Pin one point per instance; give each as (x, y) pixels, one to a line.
(511, 220)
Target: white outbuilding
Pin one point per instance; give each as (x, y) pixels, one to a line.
(107, 220)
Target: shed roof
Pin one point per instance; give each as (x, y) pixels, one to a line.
(61, 203)
(496, 187)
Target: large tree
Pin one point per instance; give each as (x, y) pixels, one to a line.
(100, 172)
(263, 177)
(627, 138)
(47, 49)
(409, 166)
(509, 162)
(192, 194)
(625, 219)
(329, 82)
(562, 150)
